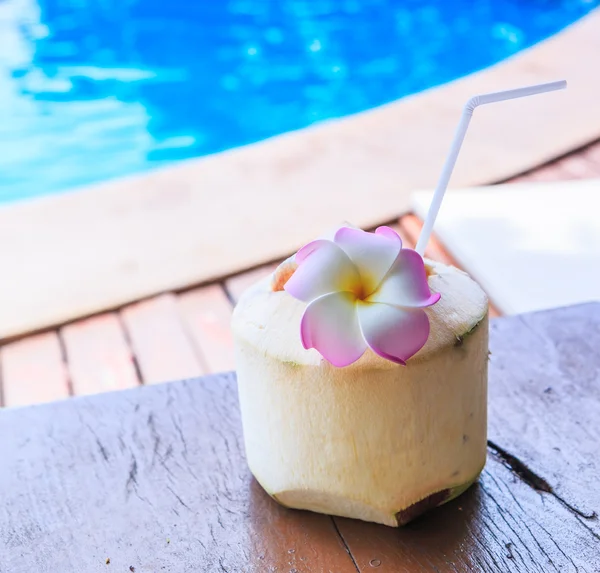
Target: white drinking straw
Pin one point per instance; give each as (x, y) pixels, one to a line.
(459, 137)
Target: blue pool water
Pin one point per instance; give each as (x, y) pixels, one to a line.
(94, 89)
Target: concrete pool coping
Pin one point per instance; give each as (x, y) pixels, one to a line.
(72, 255)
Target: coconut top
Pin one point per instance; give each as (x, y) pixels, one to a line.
(270, 320)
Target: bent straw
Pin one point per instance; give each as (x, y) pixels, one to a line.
(459, 137)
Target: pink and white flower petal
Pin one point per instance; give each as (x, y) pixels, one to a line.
(308, 249)
(372, 253)
(389, 233)
(330, 325)
(393, 333)
(323, 268)
(406, 284)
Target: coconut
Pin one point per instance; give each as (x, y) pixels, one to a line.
(375, 440)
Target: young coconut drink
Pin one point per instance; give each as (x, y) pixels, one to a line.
(362, 372)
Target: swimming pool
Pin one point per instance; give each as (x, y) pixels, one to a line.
(91, 89)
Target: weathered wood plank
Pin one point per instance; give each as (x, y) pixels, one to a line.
(514, 519)
(162, 346)
(152, 478)
(237, 284)
(207, 313)
(545, 404)
(500, 525)
(33, 370)
(159, 474)
(98, 356)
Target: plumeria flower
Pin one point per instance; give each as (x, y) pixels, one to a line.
(363, 290)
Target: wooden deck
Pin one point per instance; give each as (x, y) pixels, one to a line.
(156, 480)
(174, 335)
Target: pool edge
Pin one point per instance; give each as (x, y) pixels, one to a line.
(106, 245)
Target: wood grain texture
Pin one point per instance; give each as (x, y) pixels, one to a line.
(542, 458)
(155, 478)
(33, 370)
(98, 355)
(500, 525)
(206, 312)
(161, 343)
(545, 405)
